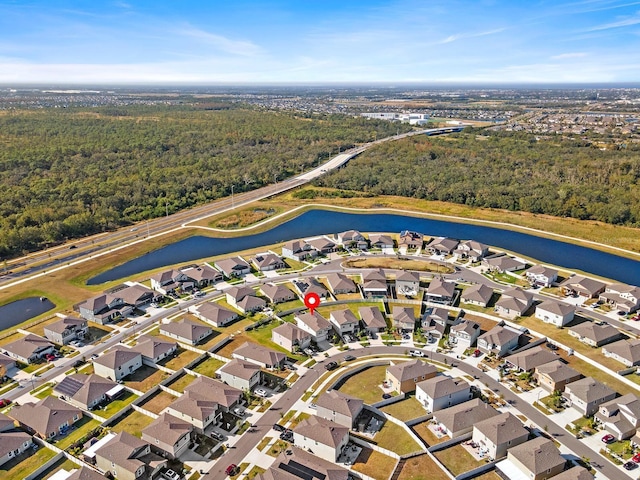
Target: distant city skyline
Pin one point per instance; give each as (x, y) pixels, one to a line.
(289, 42)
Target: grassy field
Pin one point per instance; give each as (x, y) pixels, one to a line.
(158, 401)
(366, 384)
(84, 426)
(145, 378)
(23, 465)
(374, 464)
(62, 464)
(117, 405)
(457, 459)
(422, 468)
(427, 436)
(406, 409)
(398, 264)
(180, 383)
(492, 475)
(184, 357)
(393, 437)
(208, 367)
(133, 423)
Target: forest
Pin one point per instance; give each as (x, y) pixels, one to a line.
(67, 173)
(504, 170)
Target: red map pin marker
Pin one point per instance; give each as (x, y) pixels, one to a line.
(311, 300)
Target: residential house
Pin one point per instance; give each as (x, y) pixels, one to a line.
(135, 295)
(296, 464)
(381, 241)
(340, 283)
(553, 376)
(409, 239)
(13, 444)
(241, 374)
(86, 391)
(541, 275)
(465, 333)
(352, 238)
(497, 434)
(186, 331)
(499, 340)
(83, 473)
(474, 251)
(624, 298)
(315, 324)
(587, 394)
(557, 313)
(233, 267)
(7, 364)
(260, 355)
(403, 318)
(28, 349)
(538, 459)
(339, 407)
(435, 321)
(478, 294)
(154, 349)
(66, 329)
(226, 396)
(197, 409)
(372, 319)
(460, 419)
(117, 363)
(214, 313)
(626, 352)
(501, 263)
(574, 473)
(265, 262)
(578, 285)
(528, 360)
(290, 337)
(169, 434)
(128, 458)
(168, 281)
(621, 416)
(325, 438)
(244, 299)
(403, 377)
(440, 291)
(47, 418)
(104, 308)
(310, 285)
(374, 283)
(513, 303)
(595, 334)
(441, 392)
(407, 283)
(443, 246)
(6, 423)
(322, 245)
(202, 276)
(344, 321)
(298, 250)
(277, 293)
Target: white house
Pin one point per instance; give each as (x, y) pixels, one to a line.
(324, 437)
(559, 314)
(442, 392)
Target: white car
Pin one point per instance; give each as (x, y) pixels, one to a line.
(260, 392)
(416, 353)
(171, 475)
(238, 411)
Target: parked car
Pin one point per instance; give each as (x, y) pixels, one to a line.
(94, 356)
(416, 353)
(386, 395)
(217, 436)
(238, 411)
(349, 358)
(477, 353)
(171, 475)
(231, 469)
(608, 438)
(278, 428)
(552, 346)
(630, 465)
(636, 458)
(331, 366)
(260, 392)
(50, 357)
(4, 402)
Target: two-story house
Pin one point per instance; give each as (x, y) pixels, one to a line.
(541, 275)
(344, 321)
(441, 392)
(587, 394)
(497, 434)
(65, 330)
(556, 313)
(339, 407)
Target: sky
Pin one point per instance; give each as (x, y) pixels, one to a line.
(319, 41)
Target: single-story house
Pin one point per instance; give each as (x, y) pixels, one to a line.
(352, 238)
(87, 391)
(460, 419)
(244, 299)
(135, 295)
(297, 460)
(582, 286)
(372, 319)
(117, 363)
(465, 333)
(553, 376)
(290, 337)
(499, 340)
(186, 331)
(381, 241)
(595, 334)
(47, 418)
(241, 374)
(626, 352)
(322, 245)
(513, 303)
(265, 262)
(443, 245)
(478, 294)
(310, 285)
(214, 313)
(409, 239)
(501, 262)
(557, 313)
(441, 392)
(13, 444)
(499, 433)
(260, 355)
(325, 438)
(528, 360)
(339, 407)
(587, 394)
(298, 250)
(154, 349)
(169, 434)
(128, 458)
(7, 364)
(471, 249)
(277, 293)
(28, 349)
(169, 281)
(340, 283)
(202, 275)
(66, 329)
(541, 275)
(403, 377)
(233, 267)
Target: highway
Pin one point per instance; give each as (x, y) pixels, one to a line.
(78, 251)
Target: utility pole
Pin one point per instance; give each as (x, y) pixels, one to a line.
(232, 203)
(166, 204)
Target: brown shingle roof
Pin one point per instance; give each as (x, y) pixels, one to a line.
(341, 403)
(322, 431)
(411, 369)
(537, 455)
(46, 416)
(502, 428)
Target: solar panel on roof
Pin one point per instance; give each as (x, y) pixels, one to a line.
(69, 386)
(301, 471)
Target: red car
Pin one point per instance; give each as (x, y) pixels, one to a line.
(608, 438)
(231, 469)
(4, 402)
(636, 458)
(50, 357)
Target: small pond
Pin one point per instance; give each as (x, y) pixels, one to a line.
(20, 311)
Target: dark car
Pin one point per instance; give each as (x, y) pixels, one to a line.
(331, 366)
(552, 346)
(386, 395)
(278, 428)
(630, 465)
(349, 358)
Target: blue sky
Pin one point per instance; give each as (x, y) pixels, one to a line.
(319, 41)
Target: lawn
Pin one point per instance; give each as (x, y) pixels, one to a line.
(254, 472)
(158, 401)
(263, 443)
(183, 358)
(393, 437)
(406, 409)
(145, 378)
(422, 468)
(180, 383)
(133, 423)
(374, 464)
(427, 436)
(290, 305)
(43, 391)
(366, 384)
(114, 407)
(62, 464)
(398, 264)
(457, 459)
(325, 311)
(492, 475)
(81, 428)
(96, 332)
(208, 367)
(277, 448)
(23, 465)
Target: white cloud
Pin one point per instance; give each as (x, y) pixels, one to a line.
(627, 22)
(564, 56)
(453, 38)
(224, 44)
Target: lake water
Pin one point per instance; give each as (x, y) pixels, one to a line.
(317, 222)
(20, 311)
